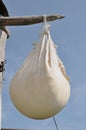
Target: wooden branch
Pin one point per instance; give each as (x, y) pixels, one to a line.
(27, 20)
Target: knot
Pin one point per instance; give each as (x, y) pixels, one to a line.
(46, 26)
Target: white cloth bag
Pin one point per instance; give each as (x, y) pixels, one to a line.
(3, 37)
(40, 89)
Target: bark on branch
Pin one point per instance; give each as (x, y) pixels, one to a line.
(27, 20)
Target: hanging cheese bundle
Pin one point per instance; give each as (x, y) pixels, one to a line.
(3, 38)
(40, 89)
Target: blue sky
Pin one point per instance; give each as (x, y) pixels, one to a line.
(69, 34)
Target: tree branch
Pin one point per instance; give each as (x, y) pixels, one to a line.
(27, 20)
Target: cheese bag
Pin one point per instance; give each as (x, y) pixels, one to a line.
(40, 89)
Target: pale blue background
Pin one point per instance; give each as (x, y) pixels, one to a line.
(70, 36)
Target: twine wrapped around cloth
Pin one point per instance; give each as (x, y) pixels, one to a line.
(39, 89)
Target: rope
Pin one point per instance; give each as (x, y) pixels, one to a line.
(55, 123)
(45, 26)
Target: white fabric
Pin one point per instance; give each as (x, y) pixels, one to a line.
(3, 37)
(40, 89)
